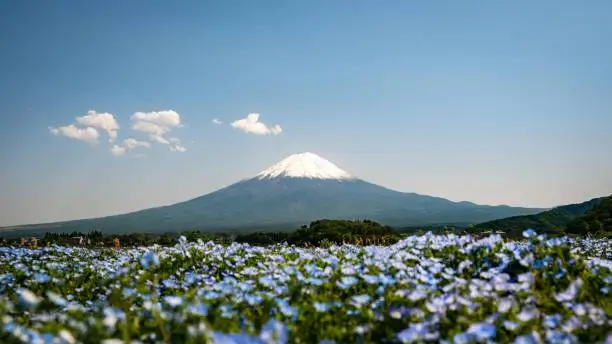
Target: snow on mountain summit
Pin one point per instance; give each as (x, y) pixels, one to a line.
(304, 165)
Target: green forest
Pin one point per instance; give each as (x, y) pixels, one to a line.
(552, 222)
(318, 233)
(596, 221)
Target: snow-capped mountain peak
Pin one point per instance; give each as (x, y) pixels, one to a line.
(304, 165)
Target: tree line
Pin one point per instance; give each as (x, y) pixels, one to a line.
(317, 233)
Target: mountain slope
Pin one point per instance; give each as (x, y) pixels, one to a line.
(550, 221)
(597, 220)
(298, 190)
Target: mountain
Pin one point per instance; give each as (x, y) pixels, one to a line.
(555, 220)
(297, 190)
(597, 220)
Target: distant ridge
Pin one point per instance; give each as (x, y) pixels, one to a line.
(555, 220)
(297, 190)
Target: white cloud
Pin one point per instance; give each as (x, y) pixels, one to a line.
(118, 150)
(216, 121)
(112, 136)
(178, 148)
(87, 134)
(131, 143)
(127, 145)
(166, 118)
(105, 121)
(251, 125)
(151, 128)
(157, 124)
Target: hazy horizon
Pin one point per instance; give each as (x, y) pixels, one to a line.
(112, 107)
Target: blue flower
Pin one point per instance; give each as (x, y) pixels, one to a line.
(527, 339)
(27, 298)
(482, 331)
(41, 277)
(275, 332)
(552, 321)
(347, 282)
(361, 300)
(529, 233)
(173, 301)
(149, 259)
(57, 299)
(321, 307)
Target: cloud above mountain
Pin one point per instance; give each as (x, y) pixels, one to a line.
(89, 125)
(104, 121)
(156, 125)
(216, 121)
(131, 143)
(252, 125)
(87, 134)
(117, 150)
(127, 145)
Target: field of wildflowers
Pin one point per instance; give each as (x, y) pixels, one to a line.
(447, 288)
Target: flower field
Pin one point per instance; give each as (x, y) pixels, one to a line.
(455, 289)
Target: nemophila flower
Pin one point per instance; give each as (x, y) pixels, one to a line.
(527, 314)
(370, 279)
(41, 277)
(511, 325)
(571, 292)
(66, 337)
(348, 270)
(414, 333)
(149, 259)
(505, 304)
(57, 299)
(347, 282)
(127, 292)
(112, 316)
(529, 233)
(416, 295)
(173, 301)
(27, 298)
(362, 329)
(553, 242)
(112, 341)
(462, 338)
(360, 300)
(553, 336)
(579, 309)
(552, 321)
(314, 281)
(321, 306)
(482, 331)
(253, 300)
(532, 338)
(286, 309)
(597, 315)
(572, 324)
(274, 332)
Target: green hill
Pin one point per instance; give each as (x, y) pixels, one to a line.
(598, 220)
(551, 221)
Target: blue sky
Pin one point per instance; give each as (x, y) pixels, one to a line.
(488, 101)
